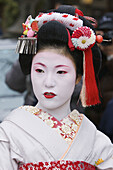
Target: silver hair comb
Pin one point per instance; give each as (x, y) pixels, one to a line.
(26, 45)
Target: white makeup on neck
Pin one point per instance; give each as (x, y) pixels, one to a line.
(53, 78)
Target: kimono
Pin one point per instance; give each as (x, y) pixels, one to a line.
(32, 138)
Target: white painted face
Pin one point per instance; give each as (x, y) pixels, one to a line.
(53, 78)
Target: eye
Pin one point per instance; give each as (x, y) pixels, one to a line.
(61, 72)
(39, 70)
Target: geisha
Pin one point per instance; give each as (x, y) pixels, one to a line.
(49, 135)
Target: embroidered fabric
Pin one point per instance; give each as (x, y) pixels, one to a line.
(58, 165)
(67, 127)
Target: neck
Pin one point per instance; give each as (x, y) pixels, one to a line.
(59, 113)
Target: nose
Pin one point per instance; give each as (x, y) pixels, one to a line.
(49, 81)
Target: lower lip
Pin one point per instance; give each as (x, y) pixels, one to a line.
(49, 96)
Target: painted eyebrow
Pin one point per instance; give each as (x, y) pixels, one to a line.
(61, 66)
(55, 66)
(40, 64)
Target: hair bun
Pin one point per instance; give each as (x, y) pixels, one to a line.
(53, 32)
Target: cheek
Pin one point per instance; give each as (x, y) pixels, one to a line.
(72, 82)
(34, 81)
(69, 84)
(73, 77)
(32, 75)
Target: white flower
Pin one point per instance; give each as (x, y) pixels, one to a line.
(74, 127)
(62, 162)
(69, 167)
(49, 122)
(68, 140)
(74, 116)
(83, 42)
(66, 129)
(74, 41)
(44, 116)
(56, 168)
(55, 122)
(92, 39)
(67, 121)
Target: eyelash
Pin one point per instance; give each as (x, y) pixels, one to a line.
(39, 70)
(61, 72)
(58, 72)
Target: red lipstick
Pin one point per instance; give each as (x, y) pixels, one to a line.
(49, 95)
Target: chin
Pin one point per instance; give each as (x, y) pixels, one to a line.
(53, 105)
(50, 107)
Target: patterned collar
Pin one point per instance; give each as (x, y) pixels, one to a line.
(67, 127)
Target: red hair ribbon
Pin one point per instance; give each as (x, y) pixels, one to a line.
(79, 12)
(70, 44)
(89, 92)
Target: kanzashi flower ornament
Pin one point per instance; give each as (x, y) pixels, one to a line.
(30, 27)
(83, 38)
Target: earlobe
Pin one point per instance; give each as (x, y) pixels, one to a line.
(78, 79)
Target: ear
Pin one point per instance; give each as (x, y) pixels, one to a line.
(78, 79)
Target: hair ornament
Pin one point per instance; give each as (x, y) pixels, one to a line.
(28, 31)
(93, 21)
(68, 20)
(84, 38)
(78, 12)
(99, 39)
(27, 44)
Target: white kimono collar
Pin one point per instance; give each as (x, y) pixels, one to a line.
(81, 147)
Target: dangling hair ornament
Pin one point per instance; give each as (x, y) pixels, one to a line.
(27, 42)
(84, 38)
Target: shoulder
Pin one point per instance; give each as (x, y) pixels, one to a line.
(3, 136)
(100, 138)
(14, 121)
(102, 141)
(22, 109)
(102, 149)
(17, 115)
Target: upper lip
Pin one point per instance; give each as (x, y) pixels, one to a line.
(49, 93)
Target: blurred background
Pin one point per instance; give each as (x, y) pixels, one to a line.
(12, 14)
